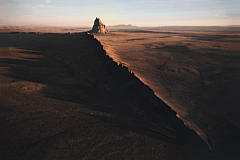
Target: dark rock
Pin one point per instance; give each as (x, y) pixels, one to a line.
(98, 27)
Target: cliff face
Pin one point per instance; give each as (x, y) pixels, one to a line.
(98, 27)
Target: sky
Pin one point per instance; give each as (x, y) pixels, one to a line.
(144, 13)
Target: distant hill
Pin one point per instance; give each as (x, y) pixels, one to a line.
(123, 26)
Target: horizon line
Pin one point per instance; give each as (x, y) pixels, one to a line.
(131, 26)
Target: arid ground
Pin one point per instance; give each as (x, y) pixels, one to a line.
(62, 97)
(197, 73)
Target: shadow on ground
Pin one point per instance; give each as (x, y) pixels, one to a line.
(73, 70)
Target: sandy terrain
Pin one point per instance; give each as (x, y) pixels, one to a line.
(61, 97)
(196, 73)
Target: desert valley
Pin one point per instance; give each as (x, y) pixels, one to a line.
(131, 93)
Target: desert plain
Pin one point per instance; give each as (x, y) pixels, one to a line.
(129, 94)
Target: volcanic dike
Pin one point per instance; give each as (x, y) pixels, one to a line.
(63, 95)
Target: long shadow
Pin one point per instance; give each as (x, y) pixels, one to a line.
(76, 69)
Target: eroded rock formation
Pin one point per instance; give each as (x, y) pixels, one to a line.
(98, 27)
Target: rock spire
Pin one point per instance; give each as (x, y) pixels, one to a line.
(98, 27)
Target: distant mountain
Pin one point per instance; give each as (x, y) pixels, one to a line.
(123, 26)
(98, 27)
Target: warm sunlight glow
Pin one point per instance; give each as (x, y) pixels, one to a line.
(140, 13)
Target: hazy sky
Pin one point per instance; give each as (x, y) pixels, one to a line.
(79, 13)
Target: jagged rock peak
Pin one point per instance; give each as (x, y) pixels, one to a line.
(98, 27)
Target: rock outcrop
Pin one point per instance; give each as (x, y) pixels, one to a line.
(98, 27)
